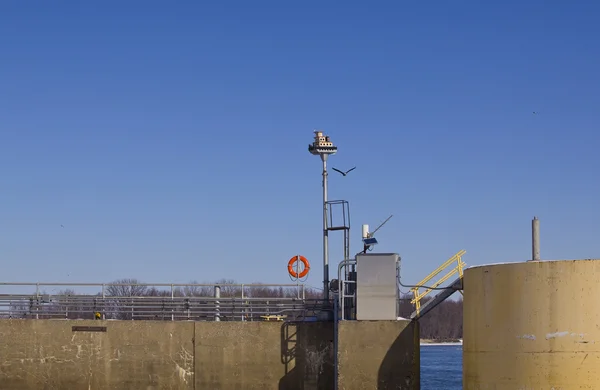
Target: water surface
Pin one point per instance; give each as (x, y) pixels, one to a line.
(441, 367)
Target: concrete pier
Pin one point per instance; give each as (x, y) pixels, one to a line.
(152, 355)
(379, 355)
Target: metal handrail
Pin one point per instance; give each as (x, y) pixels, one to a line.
(342, 283)
(422, 284)
(247, 303)
(300, 287)
(151, 307)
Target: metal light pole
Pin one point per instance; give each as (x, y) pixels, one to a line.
(323, 147)
(325, 232)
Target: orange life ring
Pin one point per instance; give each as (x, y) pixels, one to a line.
(293, 272)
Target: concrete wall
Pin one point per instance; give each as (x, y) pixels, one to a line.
(47, 354)
(378, 355)
(264, 355)
(532, 325)
(152, 355)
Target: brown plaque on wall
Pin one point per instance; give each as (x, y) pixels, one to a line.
(88, 328)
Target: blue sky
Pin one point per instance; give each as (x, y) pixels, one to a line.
(170, 139)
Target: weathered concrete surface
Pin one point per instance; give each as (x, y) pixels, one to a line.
(264, 355)
(152, 355)
(47, 354)
(378, 355)
(532, 325)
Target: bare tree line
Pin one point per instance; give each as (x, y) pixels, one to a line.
(442, 323)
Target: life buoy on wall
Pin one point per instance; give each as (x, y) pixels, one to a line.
(291, 268)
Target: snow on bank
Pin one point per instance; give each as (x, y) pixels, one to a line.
(440, 344)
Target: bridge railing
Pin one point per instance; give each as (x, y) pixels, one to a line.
(193, 302)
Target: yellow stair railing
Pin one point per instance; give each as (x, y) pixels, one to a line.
(418, 296)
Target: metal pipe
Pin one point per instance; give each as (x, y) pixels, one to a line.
(325, 232)
(535, 239)
(37, 297)
(341, 286)
(336, 325)
(103, 296)
(217, 310)
(242, 295)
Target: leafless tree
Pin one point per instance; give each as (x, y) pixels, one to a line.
(197, 291)
(117, 306)
(126, 288)
(229, 289)
(444, 322)
(68, 304)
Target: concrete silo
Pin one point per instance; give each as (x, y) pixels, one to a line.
(532, 325)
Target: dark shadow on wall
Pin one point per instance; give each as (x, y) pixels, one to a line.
(400, 368)
(307, 355)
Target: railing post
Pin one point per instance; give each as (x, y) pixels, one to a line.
(172, 303)
(342, 296)
(37, 298)
(217, 296)
(242, 303)
(103, 303)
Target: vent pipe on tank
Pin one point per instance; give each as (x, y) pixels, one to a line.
(535, 239)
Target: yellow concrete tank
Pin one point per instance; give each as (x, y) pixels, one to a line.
(532, 325)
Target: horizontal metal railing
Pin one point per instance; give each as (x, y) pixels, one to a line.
(194, 302)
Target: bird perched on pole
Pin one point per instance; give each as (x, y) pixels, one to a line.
(344, 173)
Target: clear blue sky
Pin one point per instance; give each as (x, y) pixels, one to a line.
(170, 139)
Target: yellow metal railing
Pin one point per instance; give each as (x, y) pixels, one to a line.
(460, 265)
(274, 317)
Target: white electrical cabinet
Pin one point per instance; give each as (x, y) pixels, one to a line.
(376, 286)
